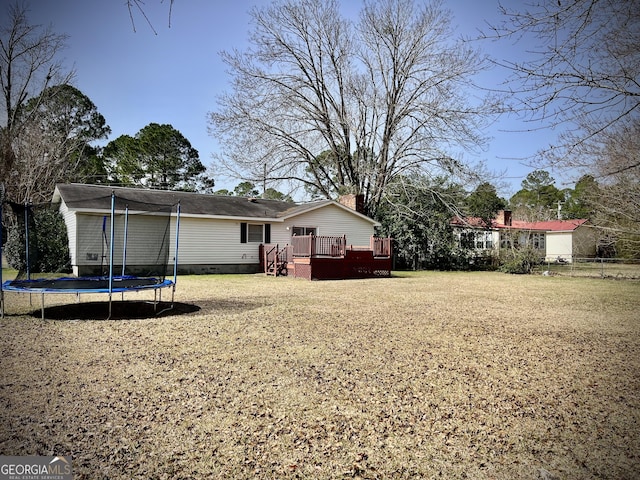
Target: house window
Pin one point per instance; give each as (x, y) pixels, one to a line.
(466, 240)
(254, 233)
(298, 231)
(484, 240)
(488, 240)
(506, 240)
(475, 240)
(537, 240)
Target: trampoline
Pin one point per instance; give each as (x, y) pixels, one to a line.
(99, 284)
(86, 284)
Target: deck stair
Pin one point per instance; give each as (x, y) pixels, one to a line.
(275, 260)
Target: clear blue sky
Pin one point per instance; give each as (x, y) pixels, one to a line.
(138, 77)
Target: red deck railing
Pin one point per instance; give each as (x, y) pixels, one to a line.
(332, 246)
(313, 246)
(328, 257)
(311, 256)
(381, 247)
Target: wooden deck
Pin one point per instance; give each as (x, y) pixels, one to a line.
(328, 258)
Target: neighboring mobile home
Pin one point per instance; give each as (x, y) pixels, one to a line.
(218, 234)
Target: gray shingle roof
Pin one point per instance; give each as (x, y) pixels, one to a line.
(98, 198)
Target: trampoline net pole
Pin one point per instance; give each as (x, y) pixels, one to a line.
(112, 236)
(124, 241)
(26, 240)
(175, 256)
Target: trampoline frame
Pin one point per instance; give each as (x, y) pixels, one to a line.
(44, 286)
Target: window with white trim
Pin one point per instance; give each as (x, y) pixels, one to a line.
(255, 232)
(537, 240)
(476, 240)
(298, 231)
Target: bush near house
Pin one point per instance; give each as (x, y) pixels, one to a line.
(519, 260)
(48, 242)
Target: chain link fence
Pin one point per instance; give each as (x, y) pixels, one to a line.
(620, 268)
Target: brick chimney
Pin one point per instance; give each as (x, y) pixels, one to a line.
(503, 217)
(353, 201)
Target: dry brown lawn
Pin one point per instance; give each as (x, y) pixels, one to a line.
(428, 375)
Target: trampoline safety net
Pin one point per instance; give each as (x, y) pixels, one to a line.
(131, 238)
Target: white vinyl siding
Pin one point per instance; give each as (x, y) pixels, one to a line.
(206, 241)
(559, 244)
(144, 239)
(328, 221)
(70, 222)
(91, 243)
(203, 240)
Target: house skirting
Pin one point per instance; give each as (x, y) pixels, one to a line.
(188, 269)
(199, 269)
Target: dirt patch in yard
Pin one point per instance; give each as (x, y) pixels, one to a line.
(417, 376)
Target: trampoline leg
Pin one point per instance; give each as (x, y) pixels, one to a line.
(42, 306)
(1, 303)
(155, 300)
(109, 317)
(166, 309)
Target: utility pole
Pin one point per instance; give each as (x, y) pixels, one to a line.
(264, 181)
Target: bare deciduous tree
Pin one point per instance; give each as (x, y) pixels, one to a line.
(584, 80)
(28, 65)
(138, 7)
(343, 107)
(616, 203)
(583, 75)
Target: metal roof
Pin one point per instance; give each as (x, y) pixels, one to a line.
(546, 226)
(550, 225)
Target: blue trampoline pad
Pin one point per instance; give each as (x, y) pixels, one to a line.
(85, 284)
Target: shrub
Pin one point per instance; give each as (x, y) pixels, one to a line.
(520, 260)
(48, 244)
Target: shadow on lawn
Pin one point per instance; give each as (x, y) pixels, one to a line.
(120, 310)
(138, 310)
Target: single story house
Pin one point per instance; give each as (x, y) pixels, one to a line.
(218, 234)
(557, 240)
